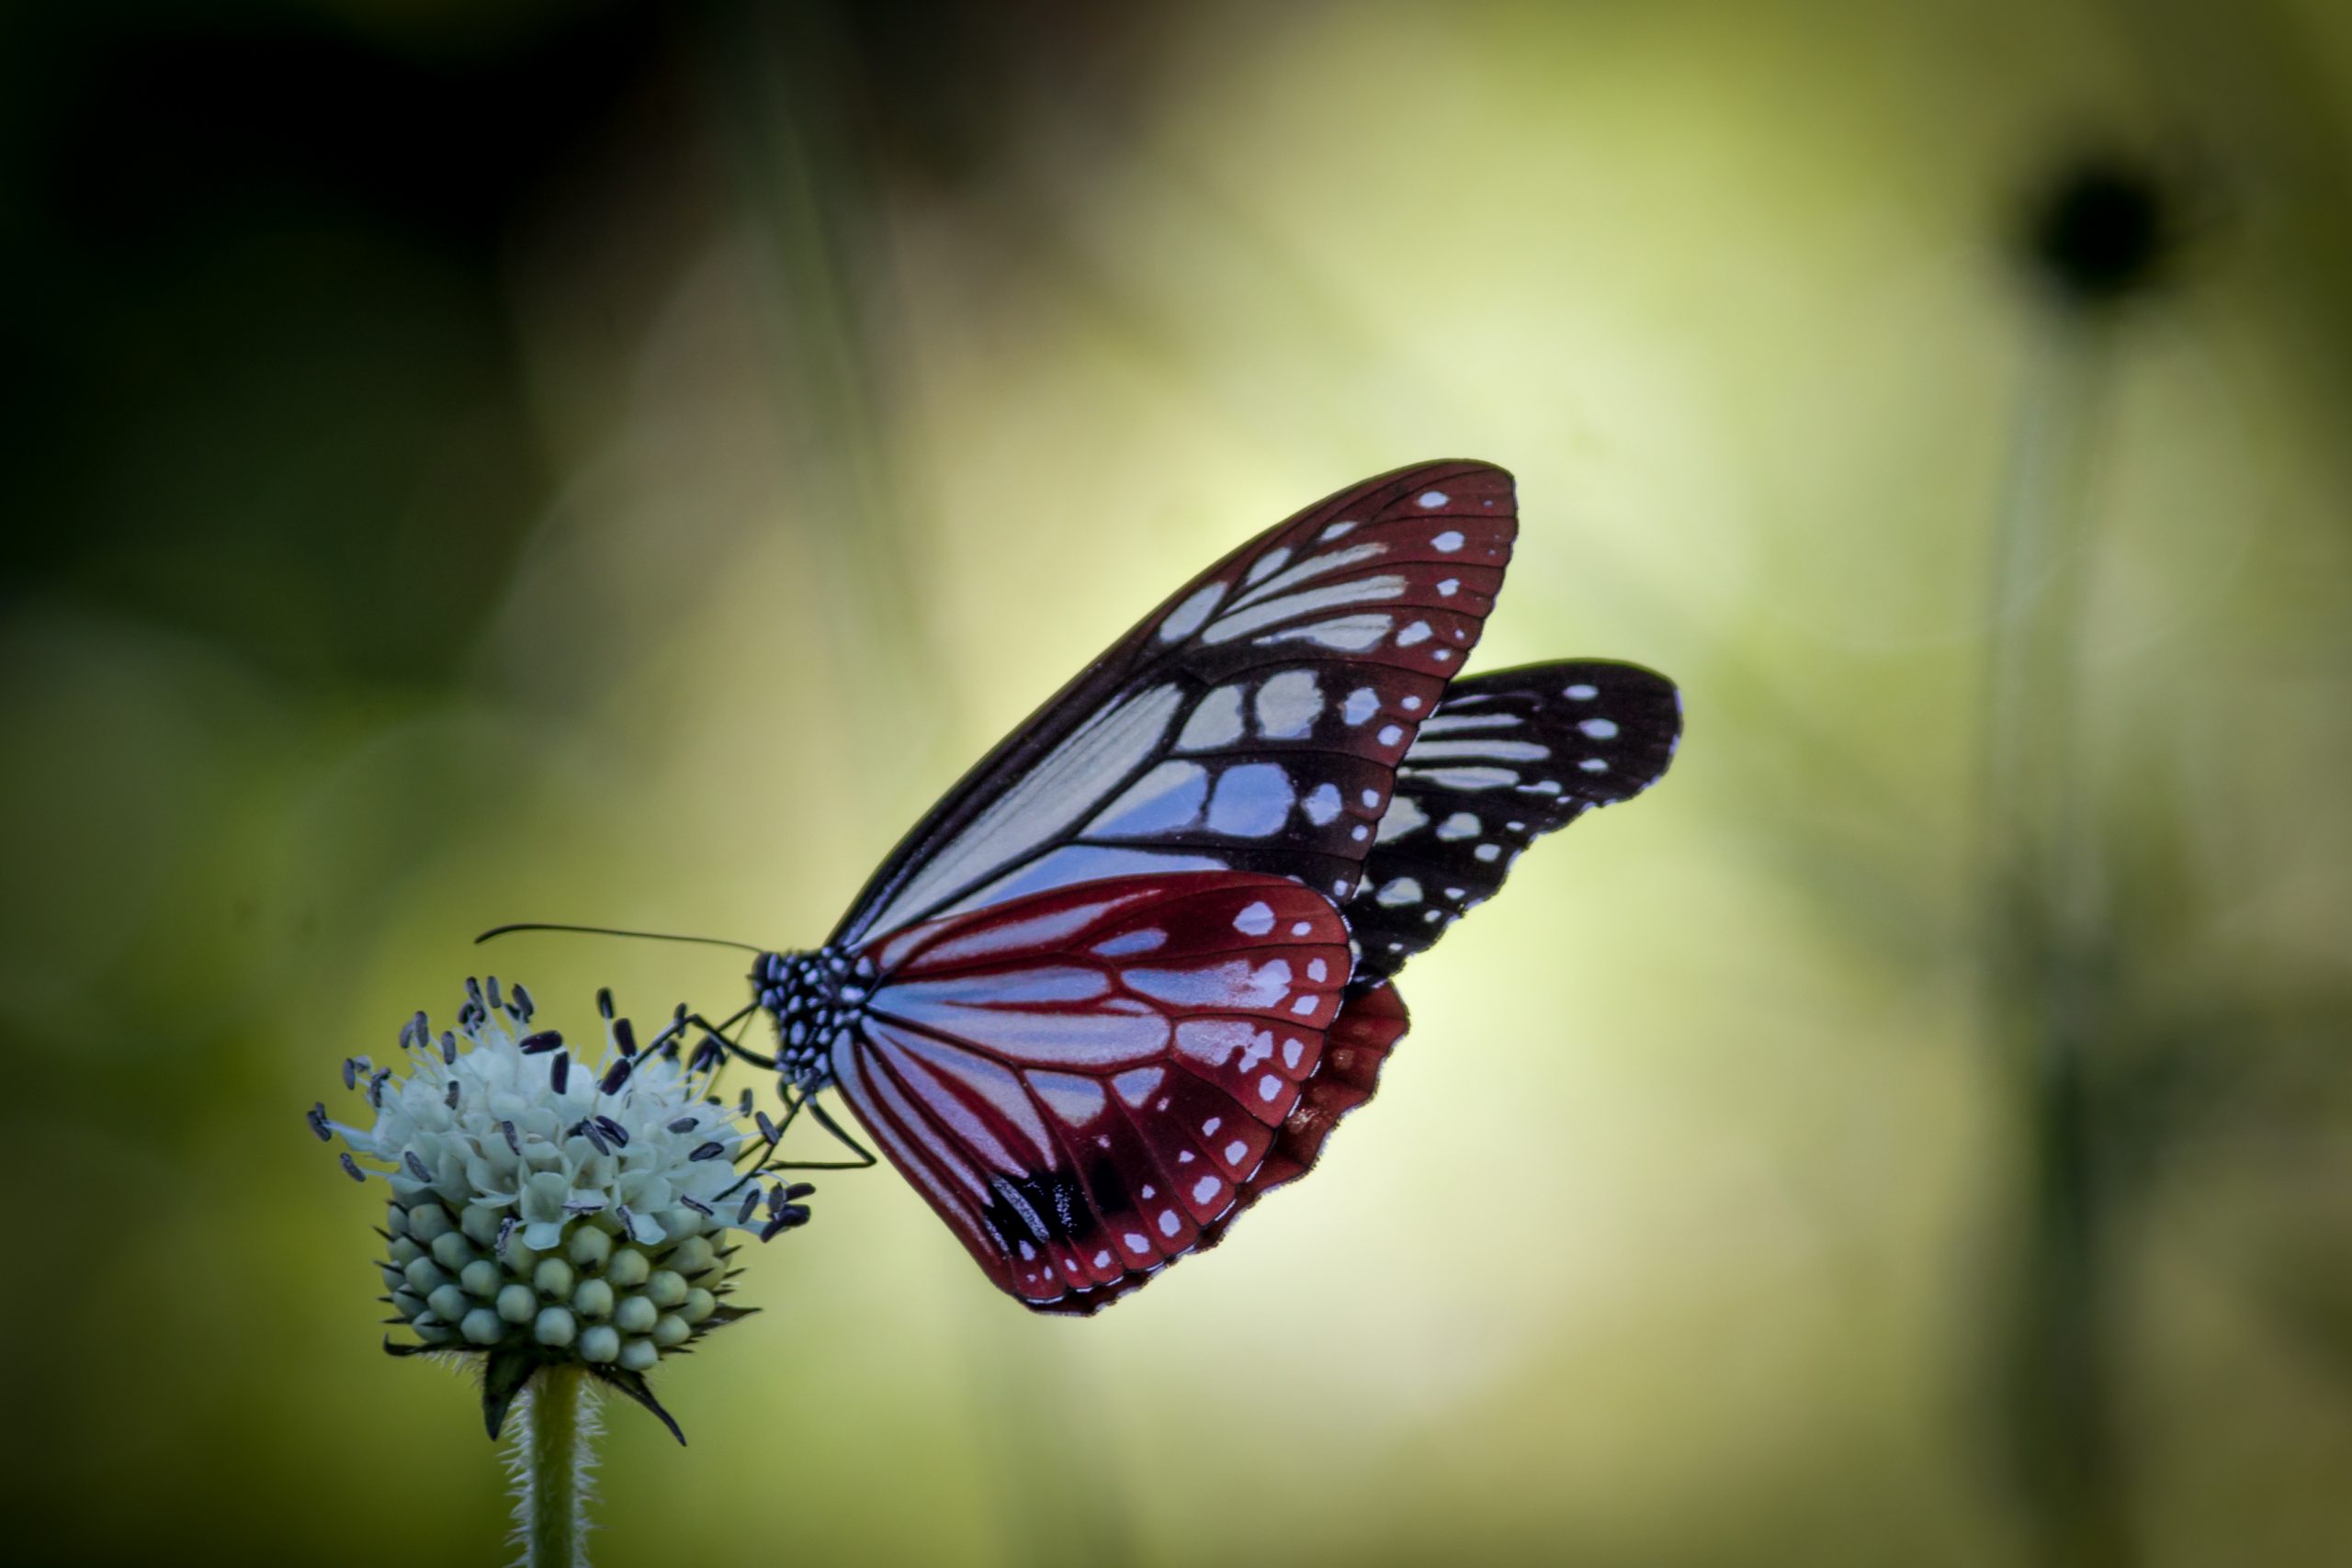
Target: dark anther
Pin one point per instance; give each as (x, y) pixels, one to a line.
(797, 1191)
(351, 1169)
(683, 1124)
(628, 1222)
(616, 1135)
(376, 1087)
(522, 1001)
(624, 1037)
(743, 1210)
(545, 1040)
(744, 1100)
(584, 1206)
(595, 1136)
(473, 993)
(469, 1014)
(707, 1151)
(496, 1001)
(506, 1229)
(351, 1072)
(449, 1095)
(767, 1128)
(560, 1071)
(696, 1204)
(790, 1217)
(415, 1166)
(706, 1056)
(605, 1003)
(415, 1032)
(448, 1049)
(514, 1143)
(615, 1076)
(318, 1120)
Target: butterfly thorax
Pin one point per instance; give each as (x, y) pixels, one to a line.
(816, 1000)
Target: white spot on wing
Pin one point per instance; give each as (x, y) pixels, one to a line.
(1216, 721)
(1433, 498)
(1447, 542)
(1252, 800)
(1349, 634)
(1404, 815)
(1363, 703)
(1581, 692)
(1312, 567)
(1403, 890)
(1256, 919)
(1241, 622)
(1599, 729)
(1487, 749)
(1144, 941)
(1321, 805)
(1288, 705)
(1417, 632)
(1448, 721)
(1466, 778)
(1186, 618)
(1167, 798)
(1265, 566)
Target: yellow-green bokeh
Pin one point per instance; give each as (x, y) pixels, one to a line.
(757, 472)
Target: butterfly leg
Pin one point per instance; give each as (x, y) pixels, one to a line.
(824, 1119)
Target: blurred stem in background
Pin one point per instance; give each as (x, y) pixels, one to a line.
(784, 86)
(2049, 969)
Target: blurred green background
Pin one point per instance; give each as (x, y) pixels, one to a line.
(475, 460)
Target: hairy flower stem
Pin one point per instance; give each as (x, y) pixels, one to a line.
(554, 1452)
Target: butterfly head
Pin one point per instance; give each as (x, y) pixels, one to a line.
(815, 1000)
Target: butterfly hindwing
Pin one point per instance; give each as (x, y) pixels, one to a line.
(1507, 758)
(1254, 722)
(1085, 1082)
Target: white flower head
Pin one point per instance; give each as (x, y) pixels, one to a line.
(547, 1209)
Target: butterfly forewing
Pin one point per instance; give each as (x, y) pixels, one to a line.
(1084, 1082)
(1254, 722)
(1507, 758)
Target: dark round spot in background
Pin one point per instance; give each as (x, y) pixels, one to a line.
(2101, 230)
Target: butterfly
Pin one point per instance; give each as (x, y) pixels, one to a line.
(1127, 974)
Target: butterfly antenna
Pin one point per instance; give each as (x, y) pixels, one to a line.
(613, 930)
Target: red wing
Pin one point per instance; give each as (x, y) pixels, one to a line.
(1085, 1083)
(1356, 1048)
(1254, 722)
